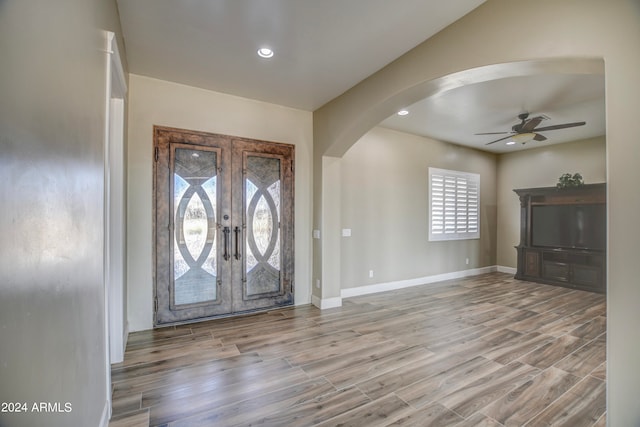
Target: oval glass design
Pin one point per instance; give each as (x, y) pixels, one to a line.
(195, 226)
(262, 225)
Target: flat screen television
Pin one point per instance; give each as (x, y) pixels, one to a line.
(569, 226)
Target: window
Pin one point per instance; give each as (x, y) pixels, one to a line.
(454, 205)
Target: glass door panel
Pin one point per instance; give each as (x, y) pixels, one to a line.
(262, 243)
(194, 216)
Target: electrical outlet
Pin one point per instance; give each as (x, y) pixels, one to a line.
(467, 261)
(370, 273)
(318, 283)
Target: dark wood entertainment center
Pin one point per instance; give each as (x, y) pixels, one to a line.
(582, 266)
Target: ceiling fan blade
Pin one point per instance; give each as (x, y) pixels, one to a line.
(492, 133)
(506, 137)
(563, 126)
(531, 124)
(539, 137)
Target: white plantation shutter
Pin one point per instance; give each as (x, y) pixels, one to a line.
(454, 205)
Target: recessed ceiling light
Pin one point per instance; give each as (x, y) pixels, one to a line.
(265, 52)
(511, 143)
(403, 112)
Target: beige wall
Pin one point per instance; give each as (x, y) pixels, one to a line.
(540, 167)
(52, 125)
(494, 34)
(156, 102)
(385, 204)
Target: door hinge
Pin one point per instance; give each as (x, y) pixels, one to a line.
(156, 153)
(156, 304)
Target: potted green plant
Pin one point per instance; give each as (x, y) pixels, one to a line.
(570, 181)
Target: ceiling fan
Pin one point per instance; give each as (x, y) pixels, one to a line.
(526, 130)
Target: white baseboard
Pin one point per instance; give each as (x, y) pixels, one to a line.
(510, 270)
(106, 414)
(325, 303)
(125, 337)
(391, 286)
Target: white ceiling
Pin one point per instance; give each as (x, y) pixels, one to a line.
(493, 106)
(324, 47)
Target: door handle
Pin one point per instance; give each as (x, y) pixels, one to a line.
(225, 232)
(237, 236)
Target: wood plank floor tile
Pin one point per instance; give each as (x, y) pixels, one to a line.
(586, 359)
(153, 336)
(335, 348)
(478, 420)
(264, 342)
(212, 347)
(126, 404)
(552, 352)
(600, 372)
(432, 415)
(534, 323)
(591, 329)
(307, 344)
(375, 368)
(520, 405)
(406, 375)
(484, 344)
(472, 397)
(380, 412)
(585, 301)
(317, 410)
(581, 406)
(353, 359)
(485, 350)
(435, 387)
(457, 339)
(511, 350)
(242, 379)
(550, 304)
(138, 418)
(174, 377)
(602, 421)
(183, 403)
(247, 333)
(510, 319)
(258, 407)
(564, 325)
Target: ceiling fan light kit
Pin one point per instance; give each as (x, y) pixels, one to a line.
(523, 138)
(528, 130)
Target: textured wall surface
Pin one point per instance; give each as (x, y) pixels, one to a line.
(52, 117)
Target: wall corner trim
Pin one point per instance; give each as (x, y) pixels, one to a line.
(325, 303)
(390, 286)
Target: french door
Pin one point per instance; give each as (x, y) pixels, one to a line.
(223, 225)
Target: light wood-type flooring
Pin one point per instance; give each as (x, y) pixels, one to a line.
(481, 351)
